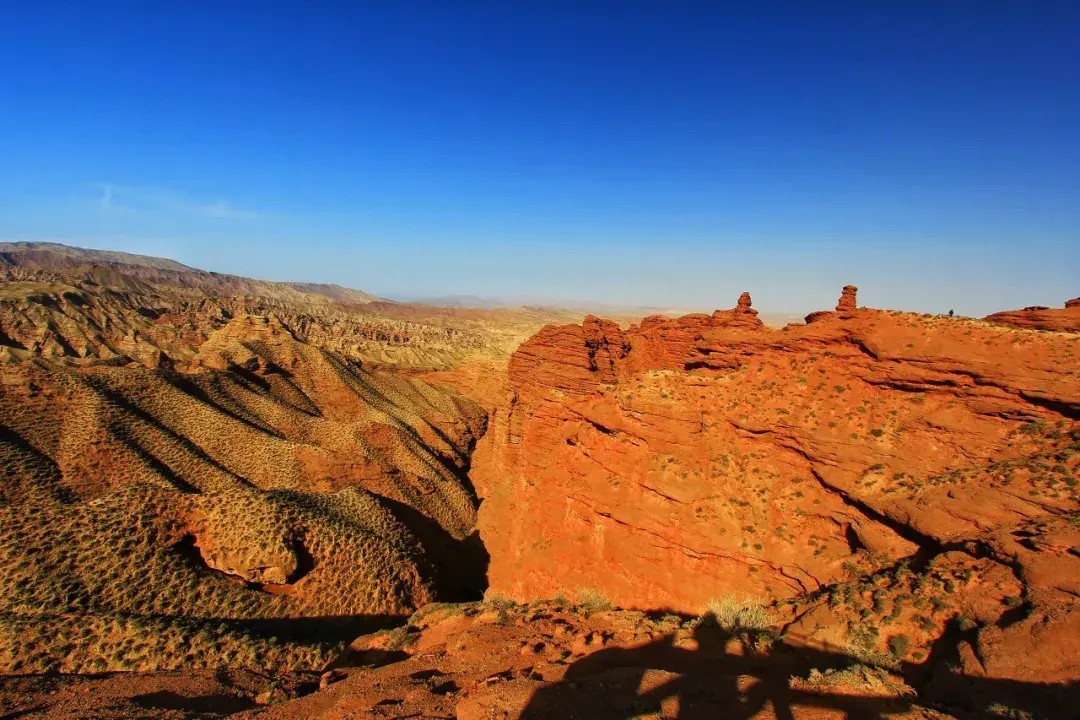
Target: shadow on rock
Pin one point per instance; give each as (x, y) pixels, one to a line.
(718, 675)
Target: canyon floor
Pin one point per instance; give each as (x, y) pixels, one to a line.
(225, 497)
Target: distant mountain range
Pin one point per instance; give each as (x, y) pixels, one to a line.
(102, 266)
(612, 310)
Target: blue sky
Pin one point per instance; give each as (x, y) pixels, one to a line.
(662, 153)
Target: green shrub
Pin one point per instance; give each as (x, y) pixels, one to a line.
(898, 645)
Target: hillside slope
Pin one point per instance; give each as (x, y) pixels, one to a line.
(148, 519)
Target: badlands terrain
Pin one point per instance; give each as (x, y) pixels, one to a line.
(225, 497)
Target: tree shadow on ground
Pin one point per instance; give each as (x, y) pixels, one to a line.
(720, 675)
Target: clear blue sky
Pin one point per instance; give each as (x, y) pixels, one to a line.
(666, 153)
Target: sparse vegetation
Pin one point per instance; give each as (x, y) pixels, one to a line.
(899, 645)
(175, 502)
(593, 600)
(737, 615)
(1004, 711)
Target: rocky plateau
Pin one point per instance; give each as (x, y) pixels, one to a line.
(225, 497)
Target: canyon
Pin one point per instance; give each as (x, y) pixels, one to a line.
(232, 497)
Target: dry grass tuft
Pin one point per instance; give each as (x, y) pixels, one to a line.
(736, 615)
(593, 600)
(863, 678)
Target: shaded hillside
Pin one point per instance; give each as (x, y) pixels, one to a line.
(150, 519)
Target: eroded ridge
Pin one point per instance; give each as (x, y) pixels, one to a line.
(151, 519)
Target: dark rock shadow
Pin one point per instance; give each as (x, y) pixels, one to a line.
(221, 704)
(711, 681)
(458, 566)
(23, 713)
(314, 630)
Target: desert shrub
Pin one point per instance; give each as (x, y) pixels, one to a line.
(860, 677)
(898, 645)
(496, 600)
(451, 608)
(1004, 711)
(593, 600)
(736, 615)
(397, 638)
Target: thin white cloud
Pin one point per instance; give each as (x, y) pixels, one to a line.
(222, 209)
(139, 200)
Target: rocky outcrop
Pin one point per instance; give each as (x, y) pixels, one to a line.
(1039, 317)
(892, 471)
(846, 304)
(741, 316)
(680, 460)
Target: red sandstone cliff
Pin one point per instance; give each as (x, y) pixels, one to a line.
(1065, 319)
(680, 460)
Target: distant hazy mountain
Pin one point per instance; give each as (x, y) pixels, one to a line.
(478, 301)
(98, 265)
(613, 310)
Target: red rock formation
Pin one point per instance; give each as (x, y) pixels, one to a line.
(741, 316)
(818, 315)
(846, 303)
(699, 460)
(847, 299)
(1040, 317)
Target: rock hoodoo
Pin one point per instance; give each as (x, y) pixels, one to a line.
(846, 303)
(741, 316)
(847, 299)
